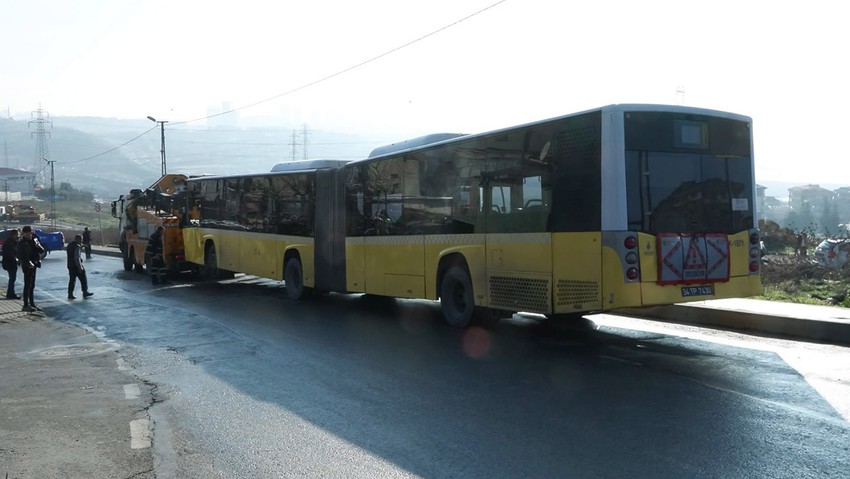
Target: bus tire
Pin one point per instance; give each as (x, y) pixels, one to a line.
(128, 263)
(210, 269)
(456, 297)
(293, 277)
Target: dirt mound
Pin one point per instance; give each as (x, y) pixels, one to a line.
(777, 269)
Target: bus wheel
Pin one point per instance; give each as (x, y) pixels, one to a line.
(456, 297)
(128, 263)
(210, 264)
(293, 277)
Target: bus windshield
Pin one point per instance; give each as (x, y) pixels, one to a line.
(688, 193)
(688, 174)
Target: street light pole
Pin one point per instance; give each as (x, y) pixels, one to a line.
(162, 131)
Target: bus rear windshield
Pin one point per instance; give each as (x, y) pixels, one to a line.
(688, 192)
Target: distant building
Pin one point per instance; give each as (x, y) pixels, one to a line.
(813, 195)
(12, 180)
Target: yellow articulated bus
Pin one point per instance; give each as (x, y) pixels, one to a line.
(621, 206)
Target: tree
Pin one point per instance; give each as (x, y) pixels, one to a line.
(802, 219)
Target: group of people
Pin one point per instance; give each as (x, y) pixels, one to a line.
(25, 250)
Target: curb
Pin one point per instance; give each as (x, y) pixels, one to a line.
(805, 329)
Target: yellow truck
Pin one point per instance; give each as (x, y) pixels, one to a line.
(22, 213)
(140, 212)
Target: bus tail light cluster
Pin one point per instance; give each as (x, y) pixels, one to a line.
(625, 244)
(755, 252)
(630, 257)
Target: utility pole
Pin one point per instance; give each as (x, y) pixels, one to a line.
(41, 135)
(294, 143)
(162, 148)
(305, 133)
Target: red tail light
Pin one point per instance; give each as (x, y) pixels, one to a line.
(630, 242)
(754, 266)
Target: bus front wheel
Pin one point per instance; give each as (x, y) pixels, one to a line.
(456, 297)
(211, 269)
(293, 277)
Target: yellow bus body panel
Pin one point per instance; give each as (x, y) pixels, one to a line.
(193, 242)
(519, 272)
(355, 270)
(577, 279)
(648, 292)
(394, 266)
(255, 254)
(616, 290)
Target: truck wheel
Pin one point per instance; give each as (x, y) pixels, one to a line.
(293, 277)
(456, 297)
(138, 267)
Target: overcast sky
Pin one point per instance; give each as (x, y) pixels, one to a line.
(782, 63)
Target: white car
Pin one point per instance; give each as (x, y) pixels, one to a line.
(833, 253)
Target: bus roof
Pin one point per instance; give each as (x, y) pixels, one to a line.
(441, 138)
(307, 165)
(413, 143)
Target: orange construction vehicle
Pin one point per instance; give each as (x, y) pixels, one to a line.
(141, 211)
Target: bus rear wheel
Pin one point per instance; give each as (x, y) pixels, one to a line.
(456, 297)
(293, 277)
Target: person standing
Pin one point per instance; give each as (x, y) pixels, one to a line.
(87, 241)
(29, 251)
(76, 270)
(154, 252)
(10, 263)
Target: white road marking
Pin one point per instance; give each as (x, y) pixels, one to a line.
(131, 391)
(121, 365)
(140, 434)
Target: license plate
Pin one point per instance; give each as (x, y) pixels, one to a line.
(697, 291)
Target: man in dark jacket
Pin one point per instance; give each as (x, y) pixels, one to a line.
(10, 263)
(87, 242)
(29, 252)
(76, 269)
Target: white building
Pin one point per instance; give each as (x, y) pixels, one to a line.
(14, 181)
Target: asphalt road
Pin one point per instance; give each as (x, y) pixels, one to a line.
(245, 383)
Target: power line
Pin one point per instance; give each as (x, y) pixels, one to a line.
(111, 150)
(346, 70)
(306, 85)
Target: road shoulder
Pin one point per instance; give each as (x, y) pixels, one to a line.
(67, 407)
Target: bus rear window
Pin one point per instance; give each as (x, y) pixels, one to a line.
(688, 193)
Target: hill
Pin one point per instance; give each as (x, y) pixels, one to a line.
(109, 156)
